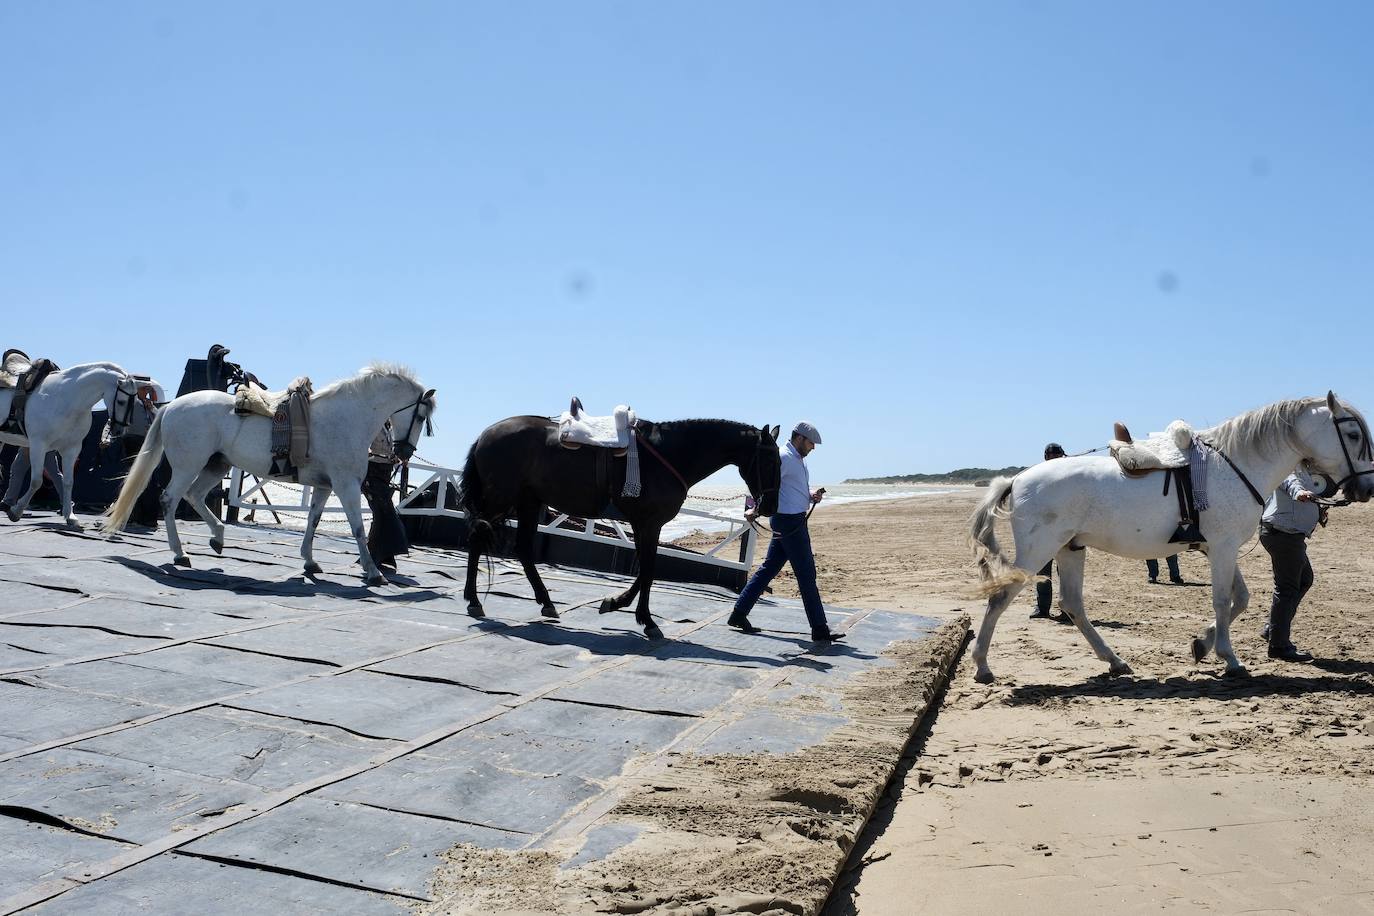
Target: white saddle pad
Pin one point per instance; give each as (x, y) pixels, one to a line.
(15, 366)
(605, 432)
(1168, 449)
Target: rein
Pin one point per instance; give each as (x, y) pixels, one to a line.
(1239, 473)
(665, 462)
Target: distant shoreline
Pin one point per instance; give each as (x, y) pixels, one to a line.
(964, 476)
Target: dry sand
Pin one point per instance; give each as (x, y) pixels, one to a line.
(1056, 790)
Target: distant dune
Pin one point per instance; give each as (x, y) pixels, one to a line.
(974, 476)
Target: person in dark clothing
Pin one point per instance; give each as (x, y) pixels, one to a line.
(1290, 517)
(1044, 588)
(1152, 567)
(386, 536)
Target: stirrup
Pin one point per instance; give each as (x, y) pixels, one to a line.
(1187, 533)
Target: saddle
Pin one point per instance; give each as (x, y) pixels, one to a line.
(1170, 453)
(23, 375)
(613, 437)
(290, 425)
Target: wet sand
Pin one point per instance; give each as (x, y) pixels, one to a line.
(1056, 789)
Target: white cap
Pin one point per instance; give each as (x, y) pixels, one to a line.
(806, 429)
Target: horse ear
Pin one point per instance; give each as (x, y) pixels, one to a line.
(1331, 402)
(428, 394)
(776, 429)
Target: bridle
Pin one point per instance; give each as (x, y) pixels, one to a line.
(419, 414)
(122, 410)
(1364, 454)
(760, 448)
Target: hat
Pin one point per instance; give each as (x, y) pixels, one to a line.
(806, 429)
(1054, 450)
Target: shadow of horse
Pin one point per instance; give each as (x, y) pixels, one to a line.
(298, 586)
(1190, 688)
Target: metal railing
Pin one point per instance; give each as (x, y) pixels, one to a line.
(601, 531)
(243, 495)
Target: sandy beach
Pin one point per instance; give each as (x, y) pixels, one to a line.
(1056, 790)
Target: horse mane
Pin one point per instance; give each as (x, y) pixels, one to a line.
(689, 424)
(368, 376)
(1265, 428)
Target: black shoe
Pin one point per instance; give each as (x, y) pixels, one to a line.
(1264, 634)
(1177, 580)
(1039, 614)
(1063, 618)
(1154, 581)
(826, 636)
(1290, 654)
(741, 622)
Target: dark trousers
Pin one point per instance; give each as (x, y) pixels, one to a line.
(791, 543)
(386, 536)
(1044, 591)
(1292, 579)
(1152, 567)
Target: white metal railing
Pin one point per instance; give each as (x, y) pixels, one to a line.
(602, 531)
(244, 495)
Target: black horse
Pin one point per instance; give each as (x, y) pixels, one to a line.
(517, 466)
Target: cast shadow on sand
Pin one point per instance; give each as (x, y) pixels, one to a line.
(1202, 685)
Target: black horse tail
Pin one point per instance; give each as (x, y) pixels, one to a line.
(481, 534)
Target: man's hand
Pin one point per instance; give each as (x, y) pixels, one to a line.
(818, 496)
(1306, 496)
(751, 515)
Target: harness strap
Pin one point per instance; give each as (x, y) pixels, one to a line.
(667, 464)
(1239, 473)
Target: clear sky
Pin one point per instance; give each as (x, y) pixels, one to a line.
(944, 233)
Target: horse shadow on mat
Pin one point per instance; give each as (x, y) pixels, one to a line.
(299, 587)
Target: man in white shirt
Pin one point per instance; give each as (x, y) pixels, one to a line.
(791, 541)
(1290, 516)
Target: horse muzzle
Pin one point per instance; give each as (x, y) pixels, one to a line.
(768, 505)
(404, 450)
(1361, 488)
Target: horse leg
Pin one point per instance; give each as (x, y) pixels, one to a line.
(195, 495)
(470, 580)
(1071, 564)
(318, 497)
(1223, 583)
(15, 511)
(616, 602)
(171, 498)
(526, 527)
(646, 547)
(1240, 600)
(66, 483)
(350, 493)
(1001, 599)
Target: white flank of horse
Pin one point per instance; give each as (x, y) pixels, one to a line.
(57, 418)
(202, 438)
(1079, 502)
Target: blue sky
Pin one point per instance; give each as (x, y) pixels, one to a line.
(945, 233)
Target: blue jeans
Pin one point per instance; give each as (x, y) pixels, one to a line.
(791, 543)
(1152, 567)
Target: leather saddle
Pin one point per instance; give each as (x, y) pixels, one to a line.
(1168, 455)
(23, 376)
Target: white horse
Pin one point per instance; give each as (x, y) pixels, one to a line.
(203, 437)
(57, 418)
(1059, 507)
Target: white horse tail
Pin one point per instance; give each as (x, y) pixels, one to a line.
(147, 461)
(994, 570)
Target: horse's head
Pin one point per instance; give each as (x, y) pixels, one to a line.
(122, 401)
(413, 419)
(762, 470)
(1337, 445)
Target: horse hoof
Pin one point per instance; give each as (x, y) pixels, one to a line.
(548, 610)
(983, 677)
(183, 561)
(1119, 669)
(1238, 671)
(375, 579)
(608, 606)
(13, 513)
(74, 525)
(1199, 650)
(653, 632)
(217, 546)
(313, 569)
(475, 609)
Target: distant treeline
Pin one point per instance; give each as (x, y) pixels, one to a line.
(974, 476)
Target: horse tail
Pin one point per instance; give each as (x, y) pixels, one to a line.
(481, 534)
(995, 571)
(147, 461)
